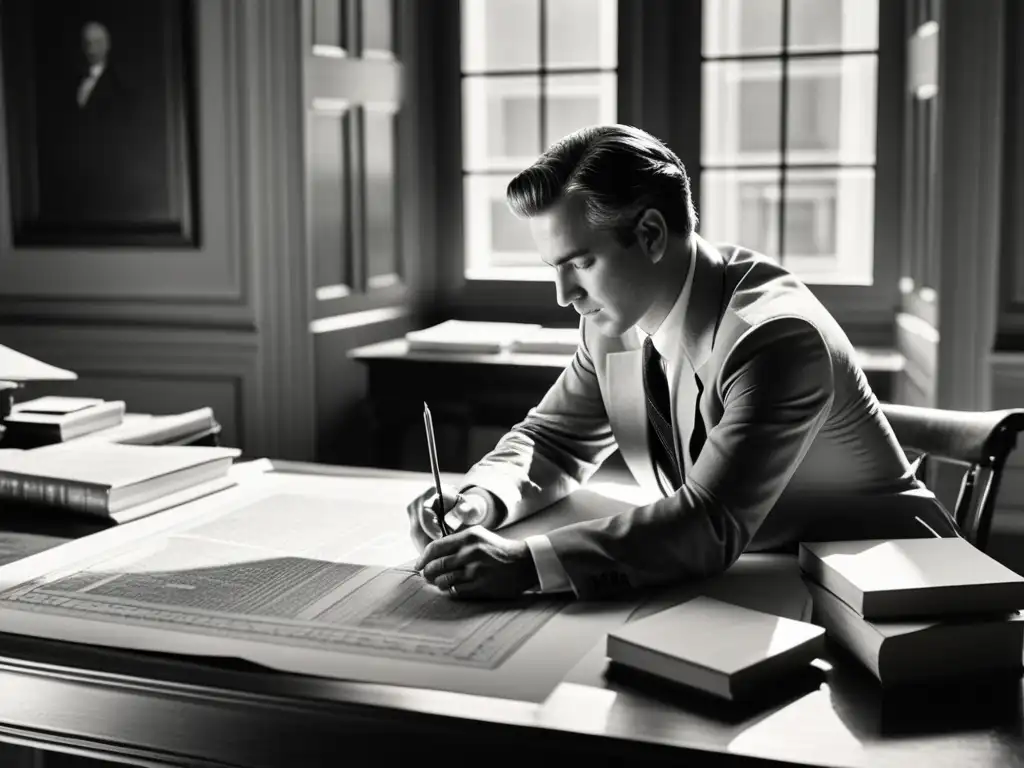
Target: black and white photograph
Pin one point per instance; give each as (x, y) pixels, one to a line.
(599, 383)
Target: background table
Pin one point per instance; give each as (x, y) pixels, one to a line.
(467, 390)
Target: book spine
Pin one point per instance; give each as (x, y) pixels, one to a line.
(53, 493)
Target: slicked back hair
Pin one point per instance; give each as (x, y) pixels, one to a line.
(618, 170)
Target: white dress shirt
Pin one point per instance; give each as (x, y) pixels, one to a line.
(88, 83)
(668, 340)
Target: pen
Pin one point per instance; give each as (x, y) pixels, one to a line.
(428, 424)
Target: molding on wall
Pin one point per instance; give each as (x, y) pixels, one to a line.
(275, 238)
(125, 285)
(970, 187)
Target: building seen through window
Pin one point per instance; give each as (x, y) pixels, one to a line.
(788, 132)
(788, 123)
(533, 71)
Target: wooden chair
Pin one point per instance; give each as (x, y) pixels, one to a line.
(980, 441)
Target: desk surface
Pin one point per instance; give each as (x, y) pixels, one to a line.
(166, 710)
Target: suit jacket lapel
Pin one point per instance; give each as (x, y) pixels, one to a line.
(704, 312)
(624, 393)
(627, 413)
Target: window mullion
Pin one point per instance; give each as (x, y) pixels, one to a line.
(783, 131)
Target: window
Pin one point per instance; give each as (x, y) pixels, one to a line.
(532, 72)
(788, 132)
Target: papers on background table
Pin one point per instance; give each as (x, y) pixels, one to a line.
(15, 366)
(493, 337)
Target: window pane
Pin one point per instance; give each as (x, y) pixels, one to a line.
(377, 27)
(741, 103)
(831, 113)
(500, 122)
(816, 25)
(494, 236)
(742, 26)
(741, 207)
(829, 220)
(500, 35)
(581, 33)
(576, 101)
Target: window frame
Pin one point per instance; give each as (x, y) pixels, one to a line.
(660, 105)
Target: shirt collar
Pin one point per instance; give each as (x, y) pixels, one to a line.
(96, 70)
(668, 339)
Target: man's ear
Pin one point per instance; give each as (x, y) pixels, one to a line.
(652, 234)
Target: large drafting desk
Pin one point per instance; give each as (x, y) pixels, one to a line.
(147, 709)
(489, 389)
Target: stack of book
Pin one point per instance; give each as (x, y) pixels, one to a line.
(112, 481)
(917, 610)
(51, 419)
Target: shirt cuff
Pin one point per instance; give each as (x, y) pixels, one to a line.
(550, 572)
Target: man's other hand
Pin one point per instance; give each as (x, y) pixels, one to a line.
(476, 562)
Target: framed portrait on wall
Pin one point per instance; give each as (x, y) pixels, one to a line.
(99, 100)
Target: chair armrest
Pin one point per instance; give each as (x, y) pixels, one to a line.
(971, 437)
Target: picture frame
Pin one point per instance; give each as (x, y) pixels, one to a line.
(100, 106)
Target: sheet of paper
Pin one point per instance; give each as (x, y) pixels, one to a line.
(15, 366)
(15, 545)
(288, 571)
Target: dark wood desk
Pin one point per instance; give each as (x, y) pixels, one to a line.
(479, 389)
(148, 709)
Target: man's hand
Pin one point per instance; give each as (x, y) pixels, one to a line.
(474, 507)
(478, 563)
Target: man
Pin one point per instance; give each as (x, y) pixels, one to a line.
(723, 381)
(95, 45)
(96, 167)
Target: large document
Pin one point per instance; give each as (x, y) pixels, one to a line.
(310, 575)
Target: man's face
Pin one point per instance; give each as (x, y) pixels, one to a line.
(95, 43)
(602, 279)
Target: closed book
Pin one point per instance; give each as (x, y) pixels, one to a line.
(56, 419)
(466, 336)
(900, 652)
(912, 578)
(717, 647)
(105, 479)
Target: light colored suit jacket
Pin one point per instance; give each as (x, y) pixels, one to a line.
(797, 448)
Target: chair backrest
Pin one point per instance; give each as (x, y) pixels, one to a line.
(980, 441)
